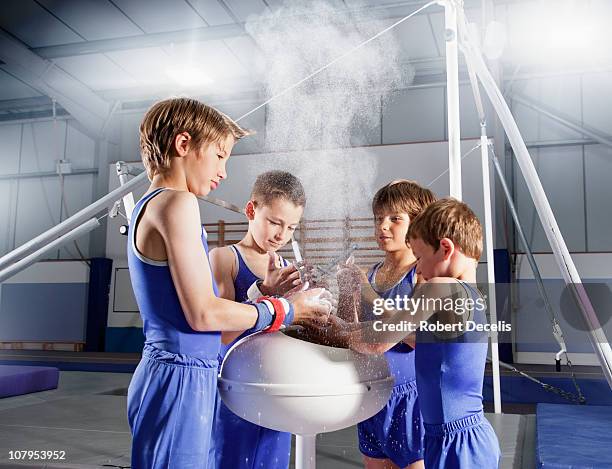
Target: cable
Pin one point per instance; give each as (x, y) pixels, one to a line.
(63, 203)
(446, 170)
(337, 59)
(576, 398)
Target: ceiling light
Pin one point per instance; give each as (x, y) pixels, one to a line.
(189, 75)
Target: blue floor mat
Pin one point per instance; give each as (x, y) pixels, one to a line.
(18, 380)
(573, 436)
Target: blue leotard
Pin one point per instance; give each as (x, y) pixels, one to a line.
(396, 432)
(450, 373)
(239, 444)
(171, 396)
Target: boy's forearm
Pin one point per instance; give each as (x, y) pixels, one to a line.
(368, 295)
(338, 340)
(225, 315)
(349, 307)
(360, 342)
(322, 335)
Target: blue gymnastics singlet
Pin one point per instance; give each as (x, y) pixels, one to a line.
(396, 432)
(239, 444)
(450, 372)
(171, 397)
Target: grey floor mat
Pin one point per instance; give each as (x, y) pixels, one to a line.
(86, 417)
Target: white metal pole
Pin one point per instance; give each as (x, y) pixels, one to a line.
(305, 451)
(27, 261)
(128, 199)
(549, 223)
(452, 98)
(492, 302)
(70, 223)
(488, 215)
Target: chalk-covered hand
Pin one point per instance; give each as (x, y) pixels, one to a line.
(311, 306)
(350, 277)
(279, 280)
(334, 333)
(309, 274)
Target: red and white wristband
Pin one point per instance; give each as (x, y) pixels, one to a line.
(280, 310)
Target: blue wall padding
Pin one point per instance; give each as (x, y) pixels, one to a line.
(503, 277)
(18, 380)
(124, 339)
(97, 304)
(502, 265)
(517, 389)
(43, 312)
(576, 437)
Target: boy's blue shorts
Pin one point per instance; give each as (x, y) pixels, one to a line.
(239, 444)
(396, 432)
(171, 403)
(468, 442)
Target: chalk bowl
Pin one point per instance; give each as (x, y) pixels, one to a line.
(287, 384)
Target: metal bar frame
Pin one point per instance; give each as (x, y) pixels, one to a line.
(566, 264)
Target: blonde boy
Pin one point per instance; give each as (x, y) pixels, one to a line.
(185, 145)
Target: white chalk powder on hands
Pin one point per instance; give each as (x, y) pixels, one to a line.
(324, 298)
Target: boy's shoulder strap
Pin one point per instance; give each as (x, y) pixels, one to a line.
(371, 274)
(144, 200)
(237, 258)
(412, 275)
(372, 270)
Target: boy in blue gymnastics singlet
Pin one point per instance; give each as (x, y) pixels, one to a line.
(185, 146)
(252, 266)
(451, 348)
(394, 436)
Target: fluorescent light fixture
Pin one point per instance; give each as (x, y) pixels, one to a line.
(188, 75)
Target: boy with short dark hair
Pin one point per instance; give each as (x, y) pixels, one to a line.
(251, 268)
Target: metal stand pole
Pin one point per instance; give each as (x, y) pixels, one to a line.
(452, 97)
(305, 451)
(488, 219)
(492, 303)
